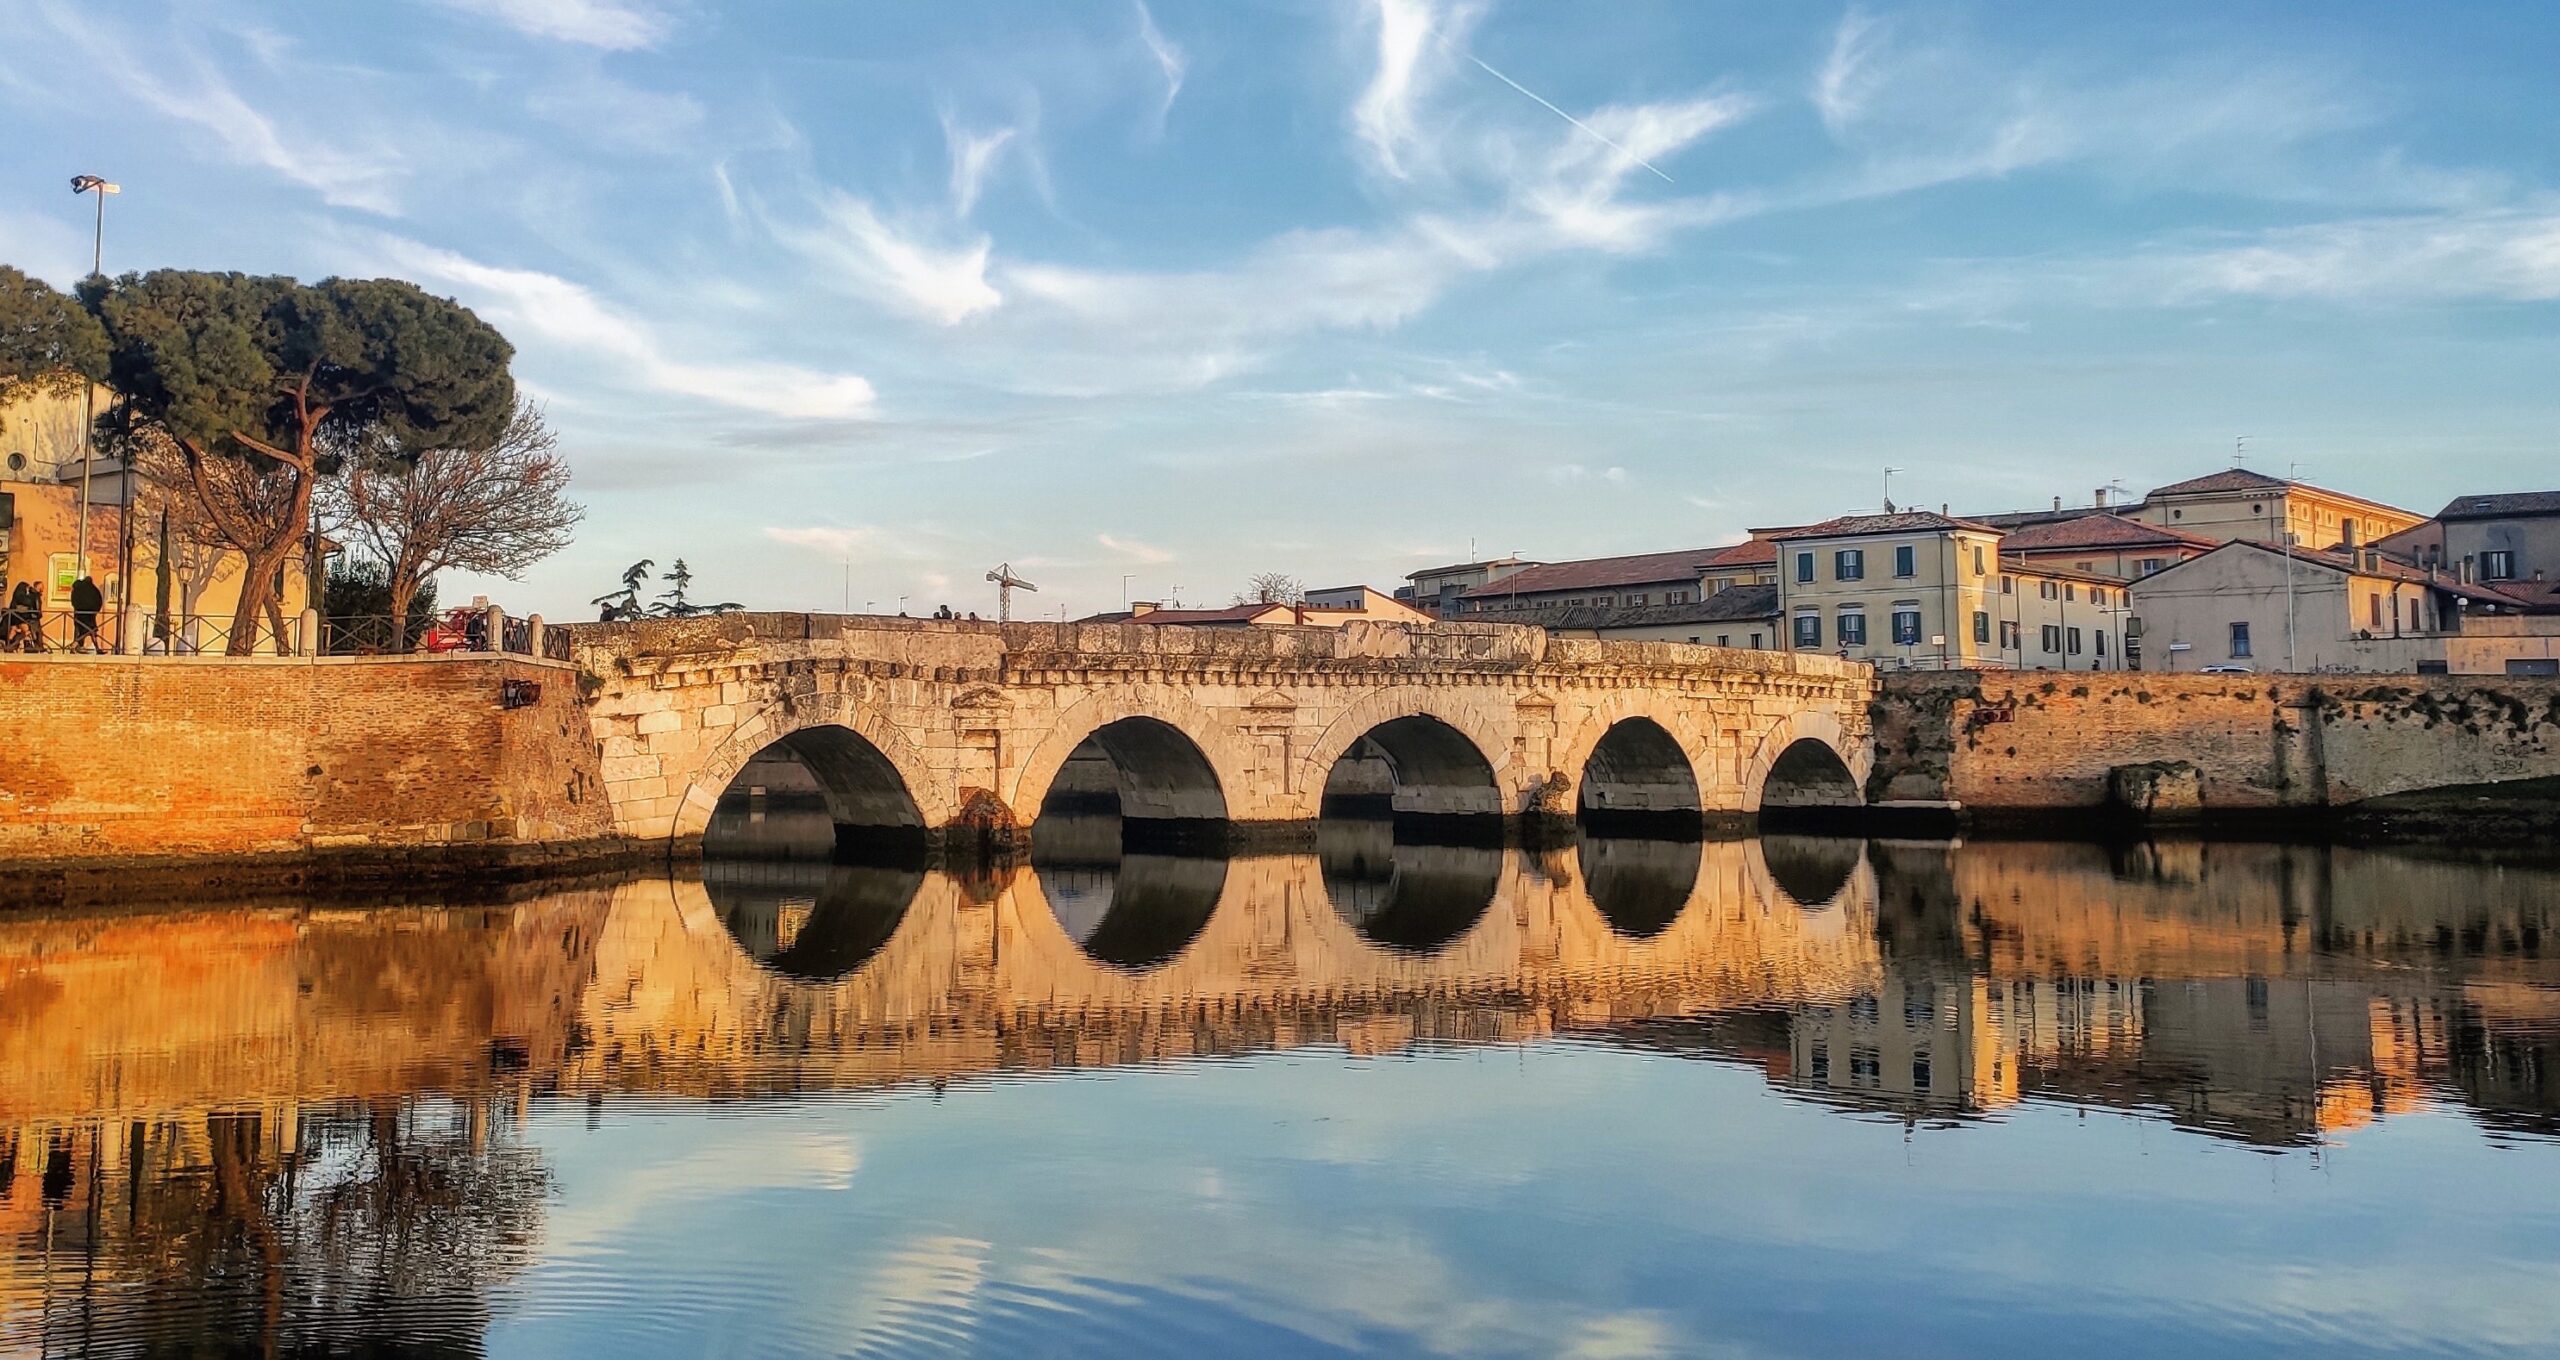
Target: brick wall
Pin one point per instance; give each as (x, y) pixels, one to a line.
(2039, 741)
(114, 757)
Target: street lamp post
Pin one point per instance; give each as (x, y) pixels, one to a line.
(90, 184)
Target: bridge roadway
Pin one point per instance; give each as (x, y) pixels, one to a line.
(929, 726)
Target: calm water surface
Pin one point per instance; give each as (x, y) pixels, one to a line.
(1761, 1098)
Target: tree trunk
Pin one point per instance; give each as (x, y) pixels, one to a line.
(258, 593)
(257, 596)
(404, 592)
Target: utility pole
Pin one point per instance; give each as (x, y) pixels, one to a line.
(2291, 667)
(91, 184)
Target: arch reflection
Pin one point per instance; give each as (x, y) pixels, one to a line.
(1813, 870)
(1640, 885)
(1405, 895)
(1131, 910)
(813, 922)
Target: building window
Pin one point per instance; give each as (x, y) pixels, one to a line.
(1906, 627)
(1853, 629)
(2008, 586)
(2099, 636)
(2071, 639)
(1977, 559)
(1804, 568)
(1722, 639)
(2051, 636)
(1820, 1067)
(1755, 642)
(1676, 597)
(1849, 564)
(2070, 591)
(2239, 641)
(1982, 626)
(1906, 561)
(2148, 565)
(2009, 635)
(2498, 566)
(1638, 598)
(1920, 1074)
(1808, 632)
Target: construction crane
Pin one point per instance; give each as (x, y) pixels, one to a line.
(1007, 583)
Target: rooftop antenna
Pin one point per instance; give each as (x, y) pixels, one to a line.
(1006, 583)
(2240, 450)
(1888, 488)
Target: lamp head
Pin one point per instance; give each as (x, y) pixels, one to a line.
(81, 184)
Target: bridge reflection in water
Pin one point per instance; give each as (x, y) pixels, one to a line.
(317, 1125)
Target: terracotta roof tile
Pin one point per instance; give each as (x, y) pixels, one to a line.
(2502, 504)
(1600, 573)
(1899, 522)
(2229, 479)
(2099, 529)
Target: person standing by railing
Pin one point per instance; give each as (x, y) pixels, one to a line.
(22, 628)
(86, 601)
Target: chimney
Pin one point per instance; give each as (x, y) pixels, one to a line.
(1139, 609)
(2347, 531)
(2098, 498)
(2057, 502)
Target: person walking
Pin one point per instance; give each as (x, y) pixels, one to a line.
(86, 601)
(22, 628)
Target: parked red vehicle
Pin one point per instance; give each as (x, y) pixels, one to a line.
(457, 630)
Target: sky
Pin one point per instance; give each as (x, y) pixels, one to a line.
(849, 302)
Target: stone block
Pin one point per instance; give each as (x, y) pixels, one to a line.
(664, 720)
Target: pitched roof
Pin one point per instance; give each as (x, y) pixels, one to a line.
(2099, 529)
(2502, 504)
(1754, 552)
(1741, 604)
(2386, 568)
(1242, 613)
(1596, 573)
(1463, 566)
(2228, 479)
(1898, 522)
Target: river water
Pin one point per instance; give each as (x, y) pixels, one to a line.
(1775, 1097)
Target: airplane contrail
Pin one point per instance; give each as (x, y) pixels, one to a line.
(1543, 103)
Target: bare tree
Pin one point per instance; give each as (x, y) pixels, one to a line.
(494, 508)
(1272, 587)
(207, 517)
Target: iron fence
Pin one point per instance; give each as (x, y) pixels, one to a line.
(61, 631)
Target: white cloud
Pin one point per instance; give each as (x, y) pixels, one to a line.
(2499, 255)
(972, 156)
(1134, 550)
(1168, 58)
(1412, 41)
(1839, 93)
(868, 255)
(831, 541)
(614, 25)
(187, 87)
(528, 303)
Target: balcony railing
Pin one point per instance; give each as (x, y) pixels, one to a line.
(137, 632)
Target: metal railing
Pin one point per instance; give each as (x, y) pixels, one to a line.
(64, 632)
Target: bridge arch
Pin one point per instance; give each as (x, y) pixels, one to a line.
(866, 767)
(1172, 759)
(1806, 761)
(1647, 752)
(1444, 759)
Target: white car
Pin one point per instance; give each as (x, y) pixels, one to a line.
(2234, 668)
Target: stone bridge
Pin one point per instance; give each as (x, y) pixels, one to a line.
(925, 726)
